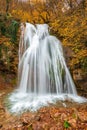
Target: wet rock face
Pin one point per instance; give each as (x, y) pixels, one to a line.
(82, 87)
(81, 82)
(79, 77)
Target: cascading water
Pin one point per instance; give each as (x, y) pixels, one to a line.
(43, 75)
(42, 66)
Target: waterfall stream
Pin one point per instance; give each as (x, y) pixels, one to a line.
(43, 76)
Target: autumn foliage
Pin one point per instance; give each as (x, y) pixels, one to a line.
(68, 23)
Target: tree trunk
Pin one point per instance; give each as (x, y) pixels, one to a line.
(7, 6)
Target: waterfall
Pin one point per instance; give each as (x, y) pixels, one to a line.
(43, 76)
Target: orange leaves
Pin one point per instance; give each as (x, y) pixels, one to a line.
(3, 39)
(71, 29)
(23, 15)
(69, 26)
(78, 58)
(82, 53)
(37, 15)
(8, 56)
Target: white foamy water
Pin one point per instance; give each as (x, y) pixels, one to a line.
(43, 74)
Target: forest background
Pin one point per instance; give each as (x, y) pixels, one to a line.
(67, 20)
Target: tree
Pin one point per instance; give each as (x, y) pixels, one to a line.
(7, 5)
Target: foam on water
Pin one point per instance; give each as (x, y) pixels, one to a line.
(23, 101)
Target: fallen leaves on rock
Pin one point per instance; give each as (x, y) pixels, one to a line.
(47, 118)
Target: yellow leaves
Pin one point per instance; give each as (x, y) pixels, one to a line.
(73, 62)
(70, 27)
(3, 39)
(26, 16)
(44, 14)
(23, 15)
(82, 53)
(7, 44)
(84, 23)
(35, 15)
(78, 58)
